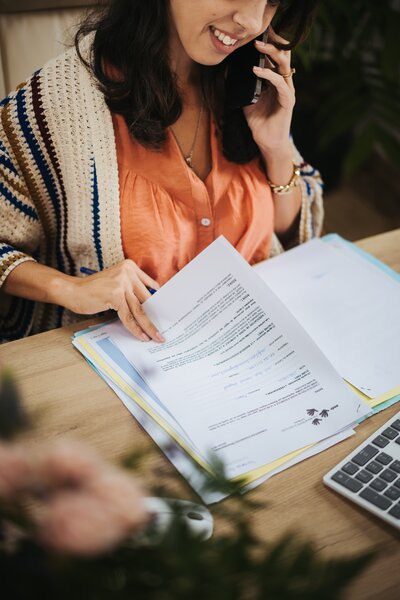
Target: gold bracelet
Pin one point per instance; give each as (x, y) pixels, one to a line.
(285, 189)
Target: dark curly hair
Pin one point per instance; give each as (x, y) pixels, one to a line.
(132, 35)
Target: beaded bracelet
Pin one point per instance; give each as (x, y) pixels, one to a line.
(285, 189)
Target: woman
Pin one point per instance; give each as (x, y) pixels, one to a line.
(120, 158)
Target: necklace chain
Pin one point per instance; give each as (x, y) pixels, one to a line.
(189, 157)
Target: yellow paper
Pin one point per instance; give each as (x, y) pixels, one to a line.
(379, 399)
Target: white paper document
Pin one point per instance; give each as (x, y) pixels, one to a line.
(349, 306)
(108, 361)
(237, 372)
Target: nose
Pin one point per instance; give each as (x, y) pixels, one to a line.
(250, 16)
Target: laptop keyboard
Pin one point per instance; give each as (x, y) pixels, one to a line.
(370, 474)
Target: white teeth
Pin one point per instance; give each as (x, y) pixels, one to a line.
(225, 39)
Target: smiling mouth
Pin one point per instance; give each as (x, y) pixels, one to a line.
(223, 37)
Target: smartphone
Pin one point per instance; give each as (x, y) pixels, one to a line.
(242, 87)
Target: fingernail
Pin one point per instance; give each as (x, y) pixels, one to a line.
(260, 43)
(258, 69)
(159, 337)
(144, 337)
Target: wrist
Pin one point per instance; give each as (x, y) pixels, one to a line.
(277, 153)
(281, 172)
(288, 185)
(63, 290)
(278, 165)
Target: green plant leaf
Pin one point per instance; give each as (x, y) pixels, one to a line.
(12, 415)
(360, 150)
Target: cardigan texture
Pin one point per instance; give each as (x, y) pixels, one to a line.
(59, 187)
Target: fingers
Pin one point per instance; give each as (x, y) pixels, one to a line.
(128, 320)
(285, 92)
(147, 280)
(281, 59)
(141, 291)
(130, 291)
(134, 318)
(275, 37)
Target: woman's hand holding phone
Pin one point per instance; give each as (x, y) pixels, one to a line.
(270, 118)
(269, 121)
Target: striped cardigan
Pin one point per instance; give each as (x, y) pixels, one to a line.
(59, 190)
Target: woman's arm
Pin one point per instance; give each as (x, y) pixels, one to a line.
(279, 169)
(121, 288)
(270, 121)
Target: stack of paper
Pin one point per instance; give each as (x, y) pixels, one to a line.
(349, 303)
(238, 377)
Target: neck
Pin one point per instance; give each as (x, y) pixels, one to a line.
(185, 69)
(188, 81)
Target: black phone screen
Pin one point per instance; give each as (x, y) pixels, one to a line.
(242, 87)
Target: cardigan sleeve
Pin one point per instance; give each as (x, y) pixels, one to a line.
(19, 220)
(312, 210)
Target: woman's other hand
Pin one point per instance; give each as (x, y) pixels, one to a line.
(270, 118)
(123, 288)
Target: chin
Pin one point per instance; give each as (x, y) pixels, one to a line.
(207, 60)
(211, 63)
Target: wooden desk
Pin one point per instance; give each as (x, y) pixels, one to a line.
(65, 397)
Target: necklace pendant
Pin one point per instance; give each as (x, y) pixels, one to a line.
(188, 160)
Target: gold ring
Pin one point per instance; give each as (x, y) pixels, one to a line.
(290, 74)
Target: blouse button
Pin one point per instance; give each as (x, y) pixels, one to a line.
(205, 222)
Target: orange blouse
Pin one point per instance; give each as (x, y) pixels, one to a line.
(169, 215)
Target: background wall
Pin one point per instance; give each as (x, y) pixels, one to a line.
(33, 31)
(28, 40)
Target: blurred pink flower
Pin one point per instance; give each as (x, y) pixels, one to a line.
(95, 519)
(17, 470)
(67, 464)
(81, 505)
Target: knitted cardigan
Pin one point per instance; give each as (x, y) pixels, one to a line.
(59, 188)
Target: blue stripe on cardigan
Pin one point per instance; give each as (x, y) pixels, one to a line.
(96, 218)
(5, 101)
(21, 206)
(6, 250)
(43, 169)
(4, 160)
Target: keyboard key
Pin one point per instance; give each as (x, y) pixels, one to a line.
(396, 424)
(350, 468)
(395, 466)
(365, 455)
(374, 467)
(379, 485)
(364, 476)
(397, 483)
(395, 512)
(388, 475)
(347, 482)
(397, 441)
(390, 433)
(384, 458)
(380, 441)
(392, 493)
(375, 499)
